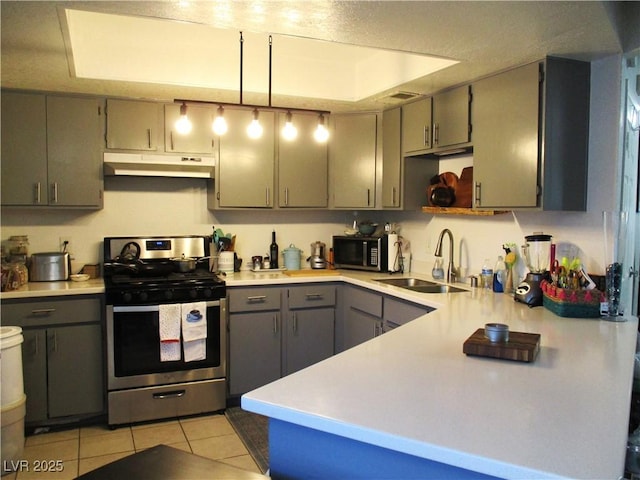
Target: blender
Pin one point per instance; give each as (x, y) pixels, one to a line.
(537, 255)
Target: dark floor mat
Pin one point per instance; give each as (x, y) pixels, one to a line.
(253, 430)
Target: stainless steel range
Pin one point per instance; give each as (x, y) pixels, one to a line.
(166, 334)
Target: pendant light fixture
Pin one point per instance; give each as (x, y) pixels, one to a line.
(321, 133)
(254, 129)
(183, 124)
(289, 131)
(219, 125)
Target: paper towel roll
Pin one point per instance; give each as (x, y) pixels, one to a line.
(393, 262)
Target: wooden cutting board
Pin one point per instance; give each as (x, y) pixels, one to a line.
(521, 347)
(310, 272)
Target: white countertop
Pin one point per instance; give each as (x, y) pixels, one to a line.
(413, 390)
(93, 286)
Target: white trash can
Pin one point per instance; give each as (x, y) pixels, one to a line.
(12, 419)
(11, 365)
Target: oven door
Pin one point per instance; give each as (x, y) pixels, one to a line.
(133, 348)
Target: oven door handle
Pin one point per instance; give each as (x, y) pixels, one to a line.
(174, 394)
(152, 308)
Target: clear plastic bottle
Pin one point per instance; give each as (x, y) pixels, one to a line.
(486, 275)
(437, 272)
(499, 275)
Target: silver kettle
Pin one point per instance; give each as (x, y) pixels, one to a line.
(317, 260)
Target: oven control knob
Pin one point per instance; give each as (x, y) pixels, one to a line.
(143, 296)
(207, 293)
(168, 294)
(193, 293)
(126, 296)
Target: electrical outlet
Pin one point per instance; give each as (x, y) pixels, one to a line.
(65, 242)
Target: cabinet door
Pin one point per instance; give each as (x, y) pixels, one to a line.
(132, 125)
(75, 369)
(246, 166)
(34, 369)
(391, 158)
(451, 117)
(360, 327)
(506, 139)
(302, 165)
(254, 350)
(201, 137)
(74, 149)
(24, 149)
(416, 126)
(310, 335)
(398, 313)
(353, 160)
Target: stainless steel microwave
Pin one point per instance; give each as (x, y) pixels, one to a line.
(361, 253)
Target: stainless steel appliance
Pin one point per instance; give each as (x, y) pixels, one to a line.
(317, 259)
(537, 255)
(361, 252)
(49, 267)
(141, 276)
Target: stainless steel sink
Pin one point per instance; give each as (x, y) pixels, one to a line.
(406, 282)
(417, 285)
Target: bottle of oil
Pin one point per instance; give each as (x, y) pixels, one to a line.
(273, 251)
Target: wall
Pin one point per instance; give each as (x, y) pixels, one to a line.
(160, 206)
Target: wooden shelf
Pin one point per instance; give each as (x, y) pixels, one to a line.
(462, 211)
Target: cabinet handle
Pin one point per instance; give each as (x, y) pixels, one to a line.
(286, 196)
(275, 324)
(478, 190)
(256, 298)
(43, 311)
(268, 191)
(425, 136)
(36, 346)
(54, 192)
(313, 295)
(176, 394)
(38, 191)
(368, 197)
(53, 338)
(436, 133)
(295, 323)
(149, 137)
(393, 196)
(171, 139)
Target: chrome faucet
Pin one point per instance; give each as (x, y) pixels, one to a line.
(451, 269)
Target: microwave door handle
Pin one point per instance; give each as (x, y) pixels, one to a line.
(364, 254)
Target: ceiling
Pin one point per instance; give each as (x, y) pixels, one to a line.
(484, 37)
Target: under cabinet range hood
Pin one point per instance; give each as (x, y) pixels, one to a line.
(134, 164)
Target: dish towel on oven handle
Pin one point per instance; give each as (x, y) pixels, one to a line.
(194, 331)
(169, 331)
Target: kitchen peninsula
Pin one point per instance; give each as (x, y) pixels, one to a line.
(410, 404)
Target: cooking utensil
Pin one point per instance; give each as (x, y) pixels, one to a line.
(184, 264)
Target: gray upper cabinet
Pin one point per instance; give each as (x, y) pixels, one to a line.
(24, 149)
(416, 127)
(245, 169)
(533, 126)
(133, 125)
(47, 146)
(302, 166)
(452, 117)
(199, 140)
(391, 158)
(352, 159)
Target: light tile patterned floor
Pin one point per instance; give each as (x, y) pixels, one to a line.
(81, 450)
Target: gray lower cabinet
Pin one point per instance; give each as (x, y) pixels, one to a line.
(367, 314)
(310, 324)
(532, 126)
(62, 356)
(48, 143)
(274, 331)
